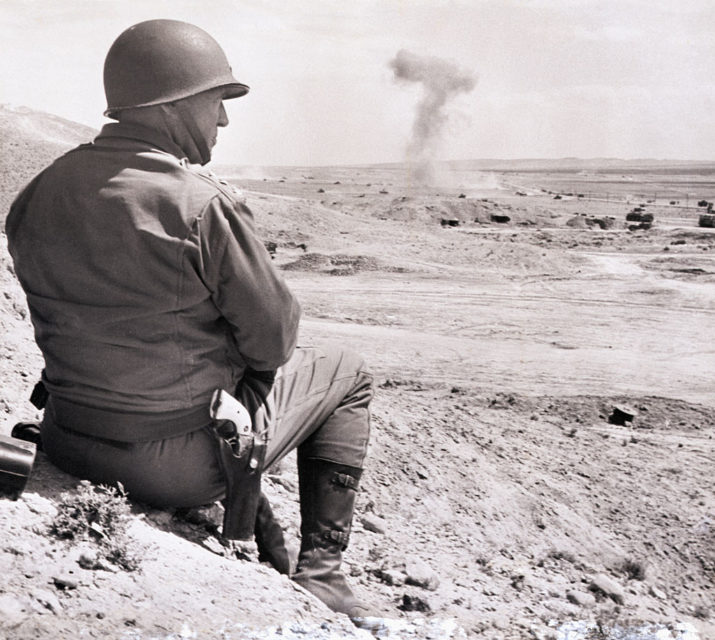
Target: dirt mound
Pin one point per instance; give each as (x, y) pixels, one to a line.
(335, 265)
(458, 210)
(433, 209)
(589, 222)
(29, 141)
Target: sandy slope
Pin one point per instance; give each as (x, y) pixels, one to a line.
(497, 493)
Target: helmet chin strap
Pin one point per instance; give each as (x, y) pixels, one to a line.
(184, 132)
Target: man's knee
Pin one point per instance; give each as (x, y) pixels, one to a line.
(353, 363)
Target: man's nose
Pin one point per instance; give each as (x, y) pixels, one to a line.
(222, 116)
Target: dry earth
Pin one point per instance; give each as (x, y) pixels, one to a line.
(500, 499)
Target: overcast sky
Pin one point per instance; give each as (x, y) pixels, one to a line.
(555, 78)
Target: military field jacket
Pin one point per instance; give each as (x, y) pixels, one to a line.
(146, 284)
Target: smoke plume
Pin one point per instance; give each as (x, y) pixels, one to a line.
(441, 81)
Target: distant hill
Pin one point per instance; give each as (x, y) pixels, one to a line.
(571, 165)
(515, 165)
(576, 165)
(29, 141)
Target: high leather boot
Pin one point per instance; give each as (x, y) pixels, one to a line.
(327, 500)
(269, 538)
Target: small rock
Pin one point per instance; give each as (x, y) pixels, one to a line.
(161, 517)
(212, 544)
(65, 581)
(419, 573)
(20, 548)
(501, 624)
(209, 515)
(414, 603)
(39, 505)
(523, 623)
(657, 593)
(393, 577)
(105, 565)
(517, 581)
(245, 550)
(88, 559)
(604, 584)
(12, 611)
(622, 415)
(48, 600)
(581, 598)
(373, 523)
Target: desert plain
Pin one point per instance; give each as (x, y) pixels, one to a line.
(512, 316)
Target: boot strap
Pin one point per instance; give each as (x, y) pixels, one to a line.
(340, 537)
(345, 480)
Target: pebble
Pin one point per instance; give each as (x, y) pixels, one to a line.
(39, 505)
(501, 624)
(12, 611)
(214, 545)
(393, 577)
(88, 559)
(65, 581)
(20, 548)
(581, 598)
(208, 514)
(610, 587)
(419, 573)
(657, 593)
(161, 517)
(414, 603)
(104, 565)
(48, 600)
(374, 523)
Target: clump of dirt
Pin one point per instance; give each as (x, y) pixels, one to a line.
(336, 265)
(589, 222)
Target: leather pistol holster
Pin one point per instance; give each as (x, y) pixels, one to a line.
(242, 452)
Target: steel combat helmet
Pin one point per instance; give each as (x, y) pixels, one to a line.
(159, 61)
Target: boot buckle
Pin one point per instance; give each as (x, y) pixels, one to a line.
(340, 537)
(345, 480)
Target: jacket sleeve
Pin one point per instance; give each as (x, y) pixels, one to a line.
(251, 295)
(14, 217)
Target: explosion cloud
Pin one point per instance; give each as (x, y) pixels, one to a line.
(441, 80)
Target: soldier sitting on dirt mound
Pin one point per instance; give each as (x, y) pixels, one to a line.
(149, 292)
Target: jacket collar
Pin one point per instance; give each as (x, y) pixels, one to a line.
(152, 137)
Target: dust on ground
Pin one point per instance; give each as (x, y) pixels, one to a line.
(503, 498)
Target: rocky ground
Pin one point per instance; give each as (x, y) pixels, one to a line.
(503, 496)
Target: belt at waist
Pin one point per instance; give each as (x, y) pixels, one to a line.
(126, 426)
